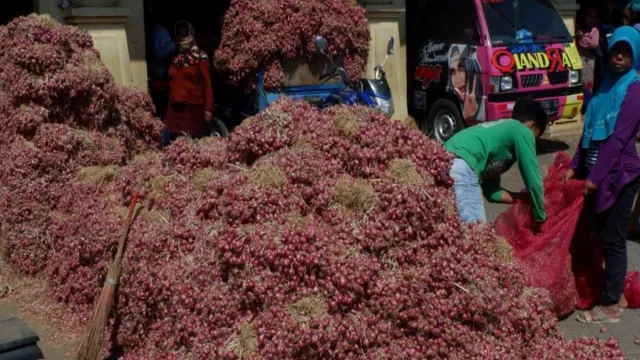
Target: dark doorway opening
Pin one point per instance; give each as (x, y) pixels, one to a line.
(206, 20)
(13, 9)
(207, 24)
(609, 12)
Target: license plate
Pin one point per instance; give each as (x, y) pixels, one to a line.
(550, 107)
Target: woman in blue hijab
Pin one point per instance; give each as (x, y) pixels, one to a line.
(608, 160)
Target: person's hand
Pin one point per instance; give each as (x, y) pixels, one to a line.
(579, 33)
(470, 103)
(589, 187)
(569, 174)
(208, 116)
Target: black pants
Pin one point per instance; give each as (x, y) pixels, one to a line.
(612, 228)
(161, 101)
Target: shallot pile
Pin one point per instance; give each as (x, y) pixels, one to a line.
(263, 33)
(307, 234)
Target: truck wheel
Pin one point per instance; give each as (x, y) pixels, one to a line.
(443, 121)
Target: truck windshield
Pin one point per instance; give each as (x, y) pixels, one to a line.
(537, 19)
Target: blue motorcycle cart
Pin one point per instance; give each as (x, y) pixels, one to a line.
(314, 94)
(331, 87)
(306, 87)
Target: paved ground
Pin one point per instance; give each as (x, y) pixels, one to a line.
(629, 328)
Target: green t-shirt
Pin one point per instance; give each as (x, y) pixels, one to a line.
(491, 149)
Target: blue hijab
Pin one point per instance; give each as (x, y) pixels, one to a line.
(603, 109)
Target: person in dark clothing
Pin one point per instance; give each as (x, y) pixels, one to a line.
(609, 14)
(629, 18)
(163, 46)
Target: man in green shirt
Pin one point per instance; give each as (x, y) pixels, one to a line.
(486, 151)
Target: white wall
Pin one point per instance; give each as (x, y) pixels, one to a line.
(134, 32)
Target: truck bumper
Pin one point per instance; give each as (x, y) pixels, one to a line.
(568, 108)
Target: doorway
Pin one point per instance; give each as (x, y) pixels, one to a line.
(609, 11)
(207, 24)
(206, 20)
(13, 9)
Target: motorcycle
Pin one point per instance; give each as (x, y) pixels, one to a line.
(370, 92)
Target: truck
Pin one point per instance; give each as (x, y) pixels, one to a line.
(468, 61)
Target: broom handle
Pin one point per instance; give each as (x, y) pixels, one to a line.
(127, 226)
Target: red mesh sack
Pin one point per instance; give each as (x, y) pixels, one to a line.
(587, 259)
(545, 254)
(564, 256)
(632, 289)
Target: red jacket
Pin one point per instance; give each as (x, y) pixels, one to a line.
(191, 85)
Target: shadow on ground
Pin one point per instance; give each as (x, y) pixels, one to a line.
(550, 146)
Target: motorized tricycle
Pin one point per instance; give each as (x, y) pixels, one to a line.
(332, 87)
(370, 92)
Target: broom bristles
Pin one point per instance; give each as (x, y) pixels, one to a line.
(91, 346)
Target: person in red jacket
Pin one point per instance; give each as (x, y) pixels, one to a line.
(190, 92)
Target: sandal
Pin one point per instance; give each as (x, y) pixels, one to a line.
(596, 316)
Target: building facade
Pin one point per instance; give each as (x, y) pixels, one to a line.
(118, 28)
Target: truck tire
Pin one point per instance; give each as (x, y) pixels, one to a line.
(443, 121)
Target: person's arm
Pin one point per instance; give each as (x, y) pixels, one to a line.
(495, 193)
(205, 70)
(624, 131)
(163, 45)
(492, 190)
(590, 40)
(525, 147)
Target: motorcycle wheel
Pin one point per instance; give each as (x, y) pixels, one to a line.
(218, 128)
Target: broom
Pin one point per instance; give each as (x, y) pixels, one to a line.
(91, 345)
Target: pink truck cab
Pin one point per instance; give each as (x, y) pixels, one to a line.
(468, 61)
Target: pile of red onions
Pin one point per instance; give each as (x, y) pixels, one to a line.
(293, 239)
(52, 74)
(265, 33)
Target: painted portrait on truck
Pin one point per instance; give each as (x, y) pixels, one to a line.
(465, 80)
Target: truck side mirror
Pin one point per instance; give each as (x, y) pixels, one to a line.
(321, 45)
(390, 46)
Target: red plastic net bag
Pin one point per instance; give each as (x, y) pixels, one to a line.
(587, 259)
(564, 255)
(545, 255)
(632, 289)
